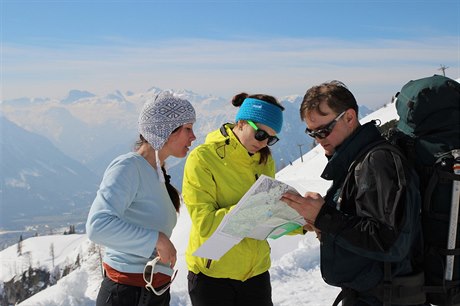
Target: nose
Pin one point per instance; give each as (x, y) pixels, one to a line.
(320, 141)
(318, 138)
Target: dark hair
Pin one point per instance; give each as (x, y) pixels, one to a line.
(172, 191)
(336, 95)
(238, 100)
(139, 142)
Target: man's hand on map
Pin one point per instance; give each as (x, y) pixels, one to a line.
(310, 228)
(307, 206)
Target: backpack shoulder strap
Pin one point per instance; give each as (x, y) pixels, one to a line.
(372, 147)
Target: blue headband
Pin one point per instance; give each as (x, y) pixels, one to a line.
(261, 112)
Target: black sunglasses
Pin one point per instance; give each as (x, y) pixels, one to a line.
(261, 135)
(324, 131)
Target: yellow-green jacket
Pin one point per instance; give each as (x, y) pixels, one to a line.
(217, 174)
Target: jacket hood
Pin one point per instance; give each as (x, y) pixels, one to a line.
(222, 134)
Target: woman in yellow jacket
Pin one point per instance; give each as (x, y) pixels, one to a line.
(217, 174)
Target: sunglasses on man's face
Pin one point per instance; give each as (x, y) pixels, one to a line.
(324, 131)
(261, 135)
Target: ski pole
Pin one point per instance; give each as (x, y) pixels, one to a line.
(453, 217)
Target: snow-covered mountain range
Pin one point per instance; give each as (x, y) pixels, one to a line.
(40, 183)
(93, 130)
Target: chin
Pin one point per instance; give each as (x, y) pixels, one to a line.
(256, 149)
(183, 153)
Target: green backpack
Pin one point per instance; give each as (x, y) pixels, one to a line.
(428, 132)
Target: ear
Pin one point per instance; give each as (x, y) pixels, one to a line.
(350, 116)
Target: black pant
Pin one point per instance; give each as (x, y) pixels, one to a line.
(210, 291)
(115, 294)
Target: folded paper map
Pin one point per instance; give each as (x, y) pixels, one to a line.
(260, 214)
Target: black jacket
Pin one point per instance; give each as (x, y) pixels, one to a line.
(370, 217)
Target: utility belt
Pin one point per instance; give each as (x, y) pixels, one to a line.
(400, 290)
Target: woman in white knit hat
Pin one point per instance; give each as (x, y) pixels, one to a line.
(216, 175)
(135, 209)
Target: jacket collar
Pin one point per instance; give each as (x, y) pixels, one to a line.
(338, 165)
(227, 144)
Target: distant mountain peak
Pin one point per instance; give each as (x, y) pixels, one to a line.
(75, 95)
(291, 98)
(154, 90)
(364, 111)
(116, 96)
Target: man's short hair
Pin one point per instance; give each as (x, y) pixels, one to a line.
(335, 93)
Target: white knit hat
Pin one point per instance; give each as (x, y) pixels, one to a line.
(159, 118)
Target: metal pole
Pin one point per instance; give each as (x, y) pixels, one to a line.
(453, 217)
(300, 149)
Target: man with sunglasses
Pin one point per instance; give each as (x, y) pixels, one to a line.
(216, 176)
(368, 222)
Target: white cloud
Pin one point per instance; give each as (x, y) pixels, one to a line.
(373, 69)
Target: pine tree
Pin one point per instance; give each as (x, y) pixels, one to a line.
(20, 245)
(77, 260)
(52, 252)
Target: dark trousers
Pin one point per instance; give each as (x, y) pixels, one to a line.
(115, 294)
(209, 291)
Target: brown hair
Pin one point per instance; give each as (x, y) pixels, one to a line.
(238, 100)
(336, 95)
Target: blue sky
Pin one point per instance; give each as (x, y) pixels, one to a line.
(278, 47)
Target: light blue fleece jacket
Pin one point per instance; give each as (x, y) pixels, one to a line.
(131, 207)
